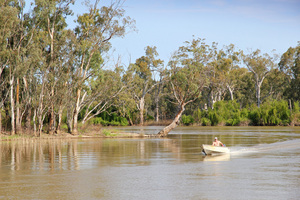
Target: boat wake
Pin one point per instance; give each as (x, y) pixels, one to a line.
(278, 146)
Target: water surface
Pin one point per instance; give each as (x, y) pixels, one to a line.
(264, 163)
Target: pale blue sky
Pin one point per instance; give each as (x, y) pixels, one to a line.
(248, 24)
(166, 24)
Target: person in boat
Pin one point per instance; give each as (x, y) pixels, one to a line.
(217, 142)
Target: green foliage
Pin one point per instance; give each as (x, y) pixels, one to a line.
(118, 121)
(187, 120)
(214, 117)
(227, 112)
(296, 108)
(197, 115)
(108, 133)
(295, 116)
(149, 117)
(271, 113)
(224, 112)
(205, 122)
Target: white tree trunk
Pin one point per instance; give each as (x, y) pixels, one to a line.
(231, 92)
(60, 111)
(12, 105)
(157, 109)
(174, 124)
(258, 86)
(142, 108)
(18, 119)
(75, 115)
(258, 95)
(34, 122)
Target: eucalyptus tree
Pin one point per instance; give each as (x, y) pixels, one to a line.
(275, 82)
(51, 17)
(101, 92)
(187, 77)
(8, 23)
(158, 92)
(229, 60)
(290, 65)
(94, 31)
(222, 69)
(16, 37)
(241, 86)
(4, 92)
(126, 105)
(260, 66)
(140, 78)
(216, 88)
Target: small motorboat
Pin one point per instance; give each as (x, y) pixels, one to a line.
(210, 149)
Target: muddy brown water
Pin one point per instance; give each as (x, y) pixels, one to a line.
(264, 163)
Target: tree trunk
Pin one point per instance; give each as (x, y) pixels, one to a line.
(69, 121)
(76, 112)
(157, 110)
(40, 119)
(34, 122)
(157, 93)
(290, 105)
(51, 120)
(142, 107)
(258, 97)
(212, 100)
(0, 120)
(27, 119)
(75, 123)
(231, 92)
(12, 105)
(18, 120)
(258, 94)
(60, 111)
(174, 124)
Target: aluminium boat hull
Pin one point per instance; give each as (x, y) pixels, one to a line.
(210, 149)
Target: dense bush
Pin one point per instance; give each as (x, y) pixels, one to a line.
(205, 122)
(229, 113)
(119, 121)
(295, 117)
(271, 113)
(187, 120)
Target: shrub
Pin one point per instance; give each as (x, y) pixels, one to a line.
(214, 118)
(295, 116)
(119, 121)
(198, 115)
(187, 120)
(271, 113)
(254, 116)
(205, 122)
(123, 121)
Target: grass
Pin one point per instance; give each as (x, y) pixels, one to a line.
(14, 137)
(109, 133)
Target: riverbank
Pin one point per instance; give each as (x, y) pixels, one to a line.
(115, 132)
(65, 135)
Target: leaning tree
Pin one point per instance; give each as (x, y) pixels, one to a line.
(187, 77)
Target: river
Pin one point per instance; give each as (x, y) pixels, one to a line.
(264, 163)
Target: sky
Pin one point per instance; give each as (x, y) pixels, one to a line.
(167, 24)
(248, 24)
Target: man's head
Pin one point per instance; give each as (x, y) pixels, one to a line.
(216, 138)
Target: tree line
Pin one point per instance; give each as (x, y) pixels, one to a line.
(53, 77)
